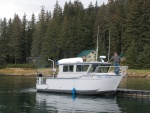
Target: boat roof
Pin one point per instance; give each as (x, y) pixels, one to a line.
(84, 63)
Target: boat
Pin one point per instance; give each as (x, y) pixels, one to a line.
(84, 78)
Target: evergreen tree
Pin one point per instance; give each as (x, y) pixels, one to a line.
(131, 56)
(49, 47)
(65, 33)
(144, 62)
(89, 24)
(137, 29)
(9, 34)
(77, 30)
(50, 40)
(100, 22)
(16, 40)
(24, 37)
(38, 35)
(30, 31)
(3, 42)
(63, 41)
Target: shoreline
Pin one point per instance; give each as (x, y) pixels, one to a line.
(47, 71)
(24, 71)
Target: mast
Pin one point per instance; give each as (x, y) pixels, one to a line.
(109, 45)
(97, 44)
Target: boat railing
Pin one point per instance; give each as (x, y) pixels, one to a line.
(119, 70)
(39, 80)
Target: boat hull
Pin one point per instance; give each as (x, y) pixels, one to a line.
(85, 85)
(94, 92)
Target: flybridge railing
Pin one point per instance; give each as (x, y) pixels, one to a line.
(119, 70)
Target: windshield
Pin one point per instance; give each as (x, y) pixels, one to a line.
(97, 68)
(82, 68)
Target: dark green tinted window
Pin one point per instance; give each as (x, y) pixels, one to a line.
(82, 68)
(68, 68)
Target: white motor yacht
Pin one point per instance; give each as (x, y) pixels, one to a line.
(78, 77)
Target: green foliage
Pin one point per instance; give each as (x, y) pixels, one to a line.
(65, 33)
(3, 43)
(144, 56)
(137, 30)
(39, 34)
(131, 56)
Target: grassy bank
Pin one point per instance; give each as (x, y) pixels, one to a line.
(138, 73)
(26, 71)
(48, 71)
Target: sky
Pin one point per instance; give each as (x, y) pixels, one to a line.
(10, 7)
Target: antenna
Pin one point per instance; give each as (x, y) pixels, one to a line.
(53, 65)
(97, 44)
(109, 45)
(102, 58)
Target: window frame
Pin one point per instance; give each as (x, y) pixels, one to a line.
(81, 68)
(68, 68)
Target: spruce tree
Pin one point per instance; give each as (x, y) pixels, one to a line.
(144, 62)
(39, 34)
(16, 40)
(24, 37)
(3, 42)
(100, 23)
(137, 29)
(30, 31)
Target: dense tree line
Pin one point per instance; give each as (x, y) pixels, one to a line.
(69, 30)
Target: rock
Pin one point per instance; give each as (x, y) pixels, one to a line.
(148, 76)
(143, 76)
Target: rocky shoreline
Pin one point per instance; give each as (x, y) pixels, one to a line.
(137, 75)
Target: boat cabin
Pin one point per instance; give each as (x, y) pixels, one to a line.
(77, 69)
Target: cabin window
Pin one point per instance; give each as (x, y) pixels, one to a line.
(68, 68)
(93, 67)
(82, 68)
(102, 69)
(99, 68)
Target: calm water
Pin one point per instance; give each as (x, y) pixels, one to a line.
(18, 95)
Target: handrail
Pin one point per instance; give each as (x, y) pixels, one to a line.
(108, 69)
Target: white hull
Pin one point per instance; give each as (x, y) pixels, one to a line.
(85, 85)
(83, 78)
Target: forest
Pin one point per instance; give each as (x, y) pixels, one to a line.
(70, 29)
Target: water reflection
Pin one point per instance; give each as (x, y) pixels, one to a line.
(65, 103)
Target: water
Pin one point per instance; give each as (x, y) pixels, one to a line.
(18, 95)
(135, 83)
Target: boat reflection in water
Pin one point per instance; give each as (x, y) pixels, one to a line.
(47, 102)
